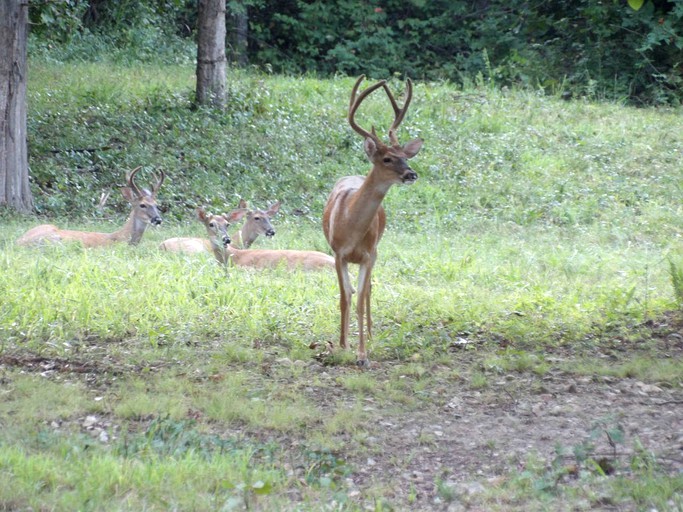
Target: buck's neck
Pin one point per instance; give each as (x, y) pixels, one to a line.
(131, 231)
(364, 203)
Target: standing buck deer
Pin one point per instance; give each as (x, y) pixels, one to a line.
(219, 242)
(144, 212)
(257, 223)
(354, 219)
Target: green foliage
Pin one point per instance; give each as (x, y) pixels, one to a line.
(580, 48)
(676, 274)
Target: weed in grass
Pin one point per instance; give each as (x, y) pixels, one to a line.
(360, 384)
(517, 361)
(346, 420)
(479, 380)
(324, 468)
(446, 491)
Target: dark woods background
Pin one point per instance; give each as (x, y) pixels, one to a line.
(597, 49)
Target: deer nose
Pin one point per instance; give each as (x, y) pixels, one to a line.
(270, 232)
(226, 240)
(410, 176)
(156, 220)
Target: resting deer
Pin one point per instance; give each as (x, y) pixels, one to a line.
(219, 241)
(257, 223)
(353, 217)
(144, 212)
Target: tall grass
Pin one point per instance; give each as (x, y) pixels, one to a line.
(535, 223)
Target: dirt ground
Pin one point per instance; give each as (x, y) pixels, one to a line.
(471, 439)
(460, 441)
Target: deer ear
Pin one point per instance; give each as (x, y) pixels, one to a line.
(128, 194)
(235, 215)
(273, 209)
(370, 147)
(201, 214)
(243, 204)
(412, 148)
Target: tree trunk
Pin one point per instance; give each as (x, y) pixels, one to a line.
(211, 61)
(15, 191)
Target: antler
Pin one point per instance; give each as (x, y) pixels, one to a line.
(399, 113)
(131, 181)
(355, 103)
(160, 180)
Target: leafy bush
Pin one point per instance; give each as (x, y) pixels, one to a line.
(581, 48)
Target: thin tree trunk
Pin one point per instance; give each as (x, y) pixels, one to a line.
(211, 60)
(15, 191)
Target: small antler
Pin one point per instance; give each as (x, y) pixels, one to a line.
(160, 180)
(355, 103)
(399, 113)
(130, 178)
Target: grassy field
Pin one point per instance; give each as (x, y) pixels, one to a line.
(527, 298)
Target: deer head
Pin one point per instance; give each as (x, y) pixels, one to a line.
(391, 161)
(143, 201)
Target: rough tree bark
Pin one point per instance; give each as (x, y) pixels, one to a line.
(211, 60)
(15, 191)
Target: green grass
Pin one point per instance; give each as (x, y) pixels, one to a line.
(537, 227)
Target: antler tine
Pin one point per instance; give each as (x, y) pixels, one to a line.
(160, 180)
(399, 113)
(355, 103)
(130, 178)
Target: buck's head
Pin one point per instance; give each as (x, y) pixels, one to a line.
(391, 160)
(143, 201)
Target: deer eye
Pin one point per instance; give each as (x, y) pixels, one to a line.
(143, 205)
(212, 224)
(386, 160)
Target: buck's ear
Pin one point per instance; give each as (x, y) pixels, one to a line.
(412, 148)
(370, 148)
(273, 208)
(235, 215)
(128, 194)
(201, 214)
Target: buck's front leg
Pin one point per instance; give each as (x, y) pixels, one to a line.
(345, 293)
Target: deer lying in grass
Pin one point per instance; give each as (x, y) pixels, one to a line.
(257, 223)
(217, 230)
(353, 217)
(144, 212)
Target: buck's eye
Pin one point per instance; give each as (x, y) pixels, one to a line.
(143, 205)
(212, 224)
(386, 160)
(257, 218)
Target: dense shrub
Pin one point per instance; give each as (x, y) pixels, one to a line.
(574, 47)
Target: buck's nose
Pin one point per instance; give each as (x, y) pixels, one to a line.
(226, 240)
(156, 220)
(270, 232)
(410, 176)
